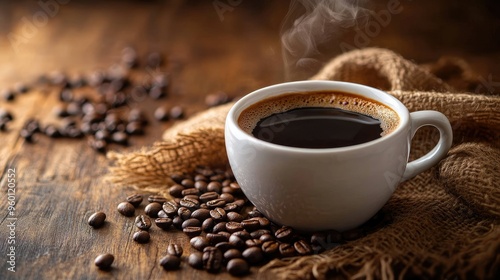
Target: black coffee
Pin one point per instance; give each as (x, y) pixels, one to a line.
(319, 119)
(316, 127)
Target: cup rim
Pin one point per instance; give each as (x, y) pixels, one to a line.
(317, 85)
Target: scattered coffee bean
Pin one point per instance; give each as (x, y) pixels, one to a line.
(142, 222)
(223, 246)
(253, 242)
(234, 216)
(208, 224)
(97, 219)
(192, 231)
(302, 247)
(233, 227)
(161, 114)
(201, 214)
(126, 209)
(208, 196)
(214, 238)
(250, 225)
(174, 249)
(236, 241)
(191, 191)
(266, 237)
(232, 254)
(184, 213)
(176, 112)
(191, 223)
(242, 234)
(201, 186)
(104, 261)
(270, 248)
(170, 208)
(177, 222)
(199, 242)
(189, 203)
(227, 197)
(258, 233)
(253, 255)
(152, 209)
(135, 199)
(170, 262)
(284, 233)
(187, 183)
(163, 223)
(212, 259)
(176, 190)
(141, 237)
(238, 267)
(218, 214)
(214, 186)
(195, 260)
(286, 250)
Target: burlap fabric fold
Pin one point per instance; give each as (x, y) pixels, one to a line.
(444, 223)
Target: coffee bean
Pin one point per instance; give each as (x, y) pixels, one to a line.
(204, 170)
(284, 234)
(231, 207)
(208, 224)
(302, 247)
(120, 138)
(192, 231)
(201, 186)
(238, 267)
(267, 237)
(218, 177)
(255, 214)
(8, 95)
(163, 223)
(214, 238)
(184, 213)
(263, 221)
(102, 135)
(242, 234)
(270, 248)
(253, 242)
(253, 255)
(195, 260)
(177, 177)
(152, 209)
(135, 199)
(134, 128)
(214, 186)
(286, 250)
(201, 214)
(191, 223)
(191, 191)
(258, 233)
(187, 183)
(98, 145)
(200, 177)
(170, 262)
(221, 226)
(126, 209)
(218, 214)
(161, 114)
(212, 204)
(66, 95)
(212, 259)
(141, 236)
(250, 225)
(176, 112)
(235, 217)
(104, 261)
(190, 203)
(170, 208)
(232, 254)
(142, 222)
(240, 202)
(224, 246)
(191, 196)
(227, 197)
(208, 196)
(236, 241)
(199, 242)
(177, 222)
(176, 190)
(97, 219)
(233, 227)
(174, 249)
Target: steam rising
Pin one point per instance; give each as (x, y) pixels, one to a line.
(308, 26)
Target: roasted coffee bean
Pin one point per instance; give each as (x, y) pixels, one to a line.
(236, 188)
(98, 145)
(218, 214)
(191, 191)
(201, 214)
(258, 233)
(177, 177)
(134, 128)
(214, 238)
(233, 227)
(286, 250)
(255, 214)
(227, 197)
(228, 190)
(176, 112)
(284, 234)
(161, 114)
(184, 213)
(170, 208)
(212, 204)
(200, 177)
(240, 202)
(141, 237)
(236, 241)
(170, 262)
(66, 95)
(120, 138)
(232, 254)
(163, 223)
(4, 114)
(270, 248)
(187, 183)
(191, 223)
(225, 234)
(152, 209)
(135, 199)
(208, 196)
(199, 242)
(176, 190)
(212, 259)
(235, 217)
(352, 234)
(97, 219)
(192, 231)
(204, 170)
(32, 126)
(224, 246)
(157, 198)
(238, 267)
(302, 247)
(267, 237)
(208, 224)
(226, 183)
(73, 109)
(231, 207)
(242, 234)
(126, 209)
(263, 221)
(250, 225)
(191, 196)
(190, 203)
(177, 222)
(104, 261)
(201, 186)
(253, 255)
(253, 242)
(218, 177)
(204, 206)
(214, 186)
(195, 260)
(52, 131)
(142, 222)
(162, 214)
(221, 226)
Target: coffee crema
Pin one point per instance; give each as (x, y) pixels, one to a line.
(319, 119)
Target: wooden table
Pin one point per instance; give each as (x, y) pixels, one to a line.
(59, 183)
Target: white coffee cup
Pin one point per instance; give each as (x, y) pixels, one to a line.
(331, 188)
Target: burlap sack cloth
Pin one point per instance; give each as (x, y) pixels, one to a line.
(444, 223)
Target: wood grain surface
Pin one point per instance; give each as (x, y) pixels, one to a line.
(60, 183)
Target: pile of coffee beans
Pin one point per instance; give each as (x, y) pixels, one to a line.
(225, 231)
(102, 106)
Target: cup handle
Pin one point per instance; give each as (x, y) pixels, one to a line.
(439, 121)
